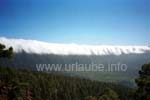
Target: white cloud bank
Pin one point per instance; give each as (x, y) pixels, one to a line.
(38, 47)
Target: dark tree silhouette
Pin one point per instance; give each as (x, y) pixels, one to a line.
(6, 53)
(143, 83)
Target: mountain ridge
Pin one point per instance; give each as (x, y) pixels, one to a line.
(39, 47)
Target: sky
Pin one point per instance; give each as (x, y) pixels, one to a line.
(100, 22)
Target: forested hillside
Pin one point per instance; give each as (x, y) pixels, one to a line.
(17, 84)
(28, 85)
(24, 60)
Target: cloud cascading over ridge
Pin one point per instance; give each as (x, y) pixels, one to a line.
(38, 47)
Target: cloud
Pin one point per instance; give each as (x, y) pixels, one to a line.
(38, 47)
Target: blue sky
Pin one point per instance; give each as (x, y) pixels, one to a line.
(107, 22)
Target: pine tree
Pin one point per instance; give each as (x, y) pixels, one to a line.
(6, 53)
(143, 83)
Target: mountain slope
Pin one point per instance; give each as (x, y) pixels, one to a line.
(29, 53)
(28, 85)
(38, 47)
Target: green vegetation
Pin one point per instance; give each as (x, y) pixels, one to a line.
(6, 53)
(28, 85)
(143, 83)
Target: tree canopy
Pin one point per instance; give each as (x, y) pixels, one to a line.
(143, 83)
(6, 53)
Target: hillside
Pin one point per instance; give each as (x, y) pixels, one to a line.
(29, 53)
(29, 85)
